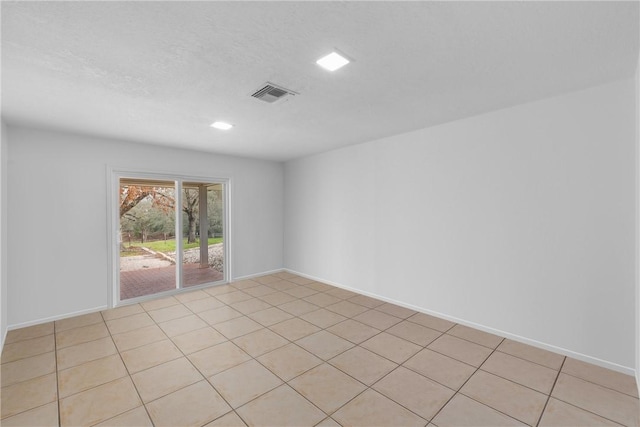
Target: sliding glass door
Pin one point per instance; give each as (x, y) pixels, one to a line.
(170, 234)
(147, 235)
(202, 233)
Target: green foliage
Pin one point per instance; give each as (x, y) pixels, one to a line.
(144, 219)
(214, 212)
(152, 215)
(170, 245)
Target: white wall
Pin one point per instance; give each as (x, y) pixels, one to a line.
(521, 220)
(637, 116)
(57, 216)
(3, 235)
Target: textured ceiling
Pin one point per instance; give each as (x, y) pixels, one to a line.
(161, 72)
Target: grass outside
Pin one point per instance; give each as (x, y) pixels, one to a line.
(131, 251)
(165, 246)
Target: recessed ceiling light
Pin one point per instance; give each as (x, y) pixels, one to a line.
(332, 62)
(221, 125)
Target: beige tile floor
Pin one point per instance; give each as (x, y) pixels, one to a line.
(284, 350)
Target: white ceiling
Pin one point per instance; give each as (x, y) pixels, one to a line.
(161, 72)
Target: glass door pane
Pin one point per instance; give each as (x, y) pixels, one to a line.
(202, 229)
(146, 237)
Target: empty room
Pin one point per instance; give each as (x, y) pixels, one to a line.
(221, 213)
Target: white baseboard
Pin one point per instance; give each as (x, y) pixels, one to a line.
(514, 337)
(264, 273)
(105, 307)
(53, 318)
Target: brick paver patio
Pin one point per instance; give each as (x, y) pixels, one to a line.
(147, 281)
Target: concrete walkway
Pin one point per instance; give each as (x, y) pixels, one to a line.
(139, 262)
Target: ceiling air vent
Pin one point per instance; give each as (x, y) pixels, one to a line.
(272, 93)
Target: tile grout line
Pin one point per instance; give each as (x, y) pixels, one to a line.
(55, 355)
(287, 382)
(186, 357)
(252, 358)
(425, 347)
(230, 340)
(59, 398)
(30, 338)
(130, 378)
(569, 403)
(207, 378)
(393, 400)
(103, 321)
(527, 360)
(367, 387)
(284, 382)
(550, 392)
(589, 411)
(398, 365)
(600, 385)
(81, 343)
(458, 392)
(137, 346)
(496, 349)
(204, 377)
(515, 382)
(325, 329)
(380, 331)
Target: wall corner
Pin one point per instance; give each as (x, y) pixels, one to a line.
(3, 232)
(637, 216)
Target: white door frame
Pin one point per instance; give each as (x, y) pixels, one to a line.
(113, 219)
